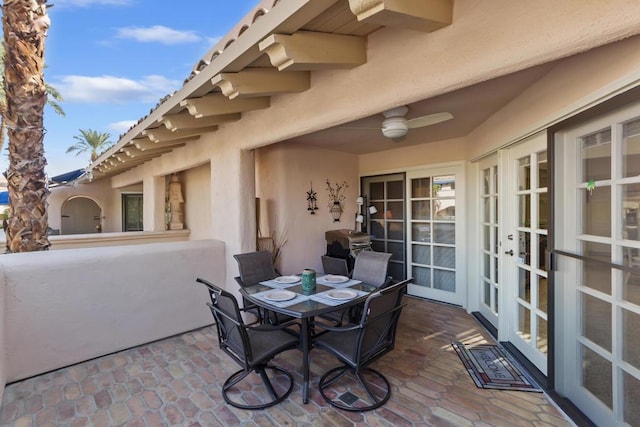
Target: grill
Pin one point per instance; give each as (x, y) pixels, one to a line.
(346, 244)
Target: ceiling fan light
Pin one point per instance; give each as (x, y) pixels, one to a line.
(394, 127)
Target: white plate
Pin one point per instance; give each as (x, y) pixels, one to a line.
(287, 279)
(342, 294)
(331, 278)
(279, 295)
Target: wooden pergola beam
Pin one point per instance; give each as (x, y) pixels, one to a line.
(216, 104)
(184, 121)
(419, 15)
(163, 134)
(261, 82)
(308, 50)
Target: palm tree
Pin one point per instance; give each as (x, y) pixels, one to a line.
(90, 140)
(25, 24)
(54, 98)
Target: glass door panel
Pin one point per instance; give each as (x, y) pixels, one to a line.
(385, 211)
(525, 248)
(599, 174)
(433, 199)
(488, 280)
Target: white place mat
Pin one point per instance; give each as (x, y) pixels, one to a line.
(282, 304)
(346, 284)
(326, 300)
(277, 285)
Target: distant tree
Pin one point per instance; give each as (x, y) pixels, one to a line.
(92, 141)
(25, 24)
(54, 98)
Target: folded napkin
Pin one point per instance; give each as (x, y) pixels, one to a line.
(298, 298)
(323, 298)
(346, 284)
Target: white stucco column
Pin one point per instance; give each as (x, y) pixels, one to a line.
(233, 204)
(153, 188)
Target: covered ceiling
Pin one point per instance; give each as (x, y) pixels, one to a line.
(470, 107)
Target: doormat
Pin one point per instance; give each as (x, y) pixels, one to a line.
(491, 367)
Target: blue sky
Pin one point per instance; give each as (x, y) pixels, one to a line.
(112, 60)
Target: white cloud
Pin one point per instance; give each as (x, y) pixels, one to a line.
(86, 3)
(212, 41)
(122, 126)
(158, 34)
(114, 90)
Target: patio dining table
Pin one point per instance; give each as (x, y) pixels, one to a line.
(306, 307)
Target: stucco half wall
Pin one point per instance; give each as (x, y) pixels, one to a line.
(65, 307)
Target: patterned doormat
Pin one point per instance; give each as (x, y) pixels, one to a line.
(490, 367)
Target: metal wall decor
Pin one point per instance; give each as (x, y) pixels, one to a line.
(312, 200)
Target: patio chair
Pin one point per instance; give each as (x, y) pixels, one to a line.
(252, 347)
(333, 265)
(255, 267)
(371, 267)
(359, 345)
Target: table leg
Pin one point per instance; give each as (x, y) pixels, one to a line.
(306, 350)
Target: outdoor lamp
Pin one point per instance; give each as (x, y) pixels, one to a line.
(336, 211)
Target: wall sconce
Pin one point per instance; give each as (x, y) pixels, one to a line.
(336, 195)
(336, 211)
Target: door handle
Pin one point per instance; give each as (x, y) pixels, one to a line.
(509, 252)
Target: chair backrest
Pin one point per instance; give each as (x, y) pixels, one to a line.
(371, 267)
(232, 334)
(333, 265)
(379, 323)
(255, 267)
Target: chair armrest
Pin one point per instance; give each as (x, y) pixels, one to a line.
(338, 328)
(265, 327)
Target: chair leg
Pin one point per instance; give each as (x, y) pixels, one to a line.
(262, 371)
(335, 374)
(267, 383)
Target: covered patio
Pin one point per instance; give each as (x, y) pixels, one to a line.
(177, 381)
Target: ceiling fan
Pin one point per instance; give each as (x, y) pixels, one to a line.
(396, 125)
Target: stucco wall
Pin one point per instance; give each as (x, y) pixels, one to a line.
(196, 184)
(83, 303)
(569, 87)
(99, 192)
(283, 199)
(402, 158)
(107, 198)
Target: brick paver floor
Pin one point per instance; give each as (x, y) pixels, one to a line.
(177, 382)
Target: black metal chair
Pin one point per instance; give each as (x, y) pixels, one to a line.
(371, 267)
(252, 347)
(255, 267)
(359, 345)
(333, 265)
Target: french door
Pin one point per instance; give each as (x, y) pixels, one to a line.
(489, 280)
(598, 269)
(435, 241)
(524, 244)
(385, 218)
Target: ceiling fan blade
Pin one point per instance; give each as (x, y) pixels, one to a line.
(429, 120)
